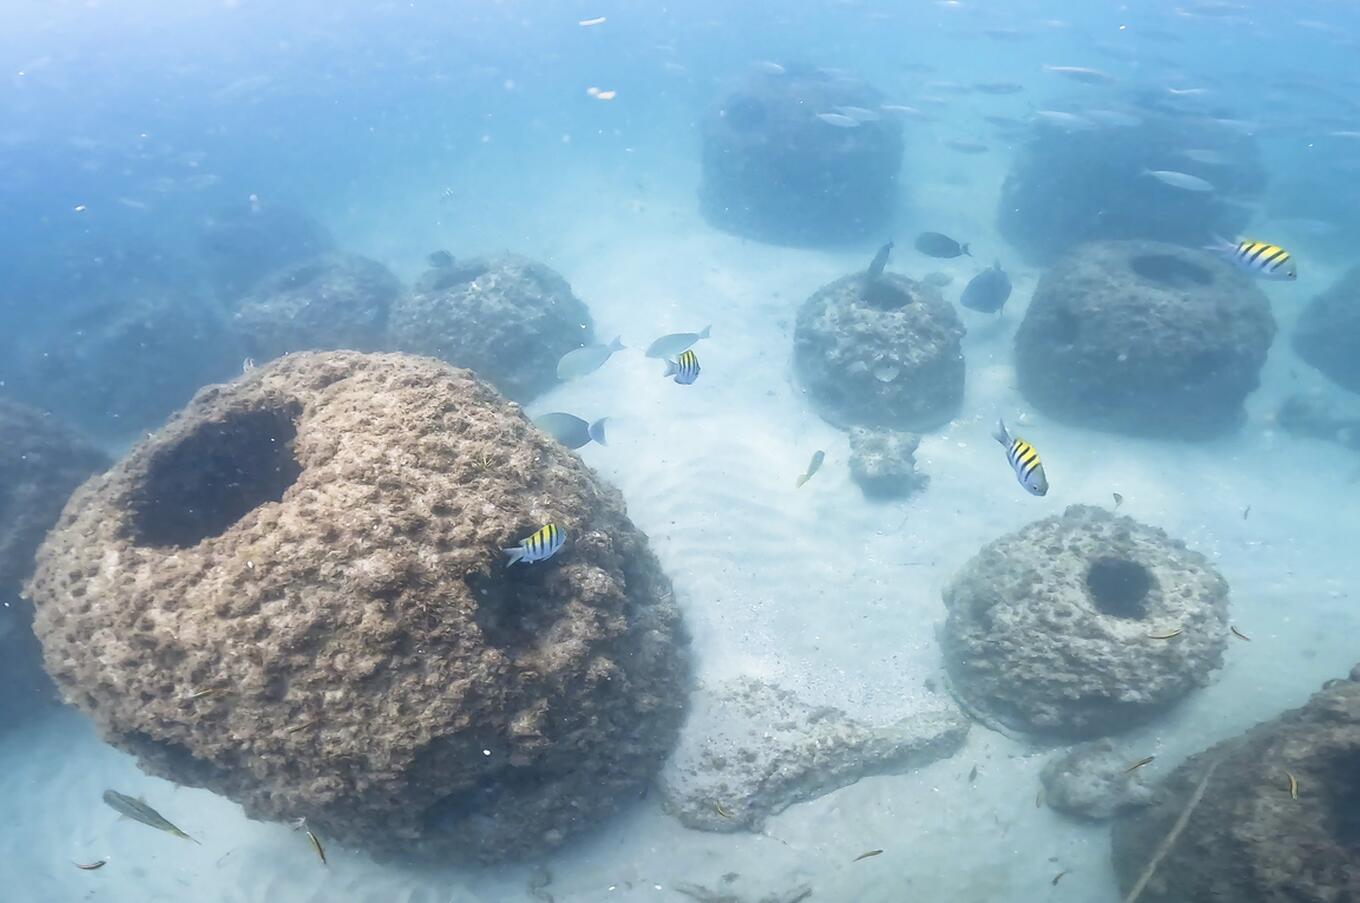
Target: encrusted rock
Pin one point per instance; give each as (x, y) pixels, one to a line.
(1145, 338)
(1069, 185)
(325, 303)
(1328, 331)
(750, 750)
(883, 462)
(41, 462)
(243, 243)
(1094, 781)
(1248, 839)
(774, 170)
(882, 353)
(294, 595)
(506, 317)
(1082, 624)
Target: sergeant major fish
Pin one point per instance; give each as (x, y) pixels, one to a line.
(542, 545)
(139, 811)
(1258, 257)
(685, 368)
(1029, 470)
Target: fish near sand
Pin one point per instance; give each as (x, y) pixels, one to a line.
(1029, 470)
(1257, 257)
(813, 466)
(570, 430)
(988, 291)
(139, 811)
(880, 261)
(542, 545)
(440, 259)
(676, 342)
(685, 368)
(934, 244)
(581, 361)
(1181, 180)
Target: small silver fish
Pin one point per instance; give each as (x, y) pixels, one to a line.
(542, 545)
(1081, 74)
(1206, 156)
(839, 120)
(685, 368)
(139, 811)
(880, 261)
(859, 114)
(247, 365)
(1029, 470)
(676, 342)
(813, 466)
(1181, 180)
(570, 430)
(580, 361)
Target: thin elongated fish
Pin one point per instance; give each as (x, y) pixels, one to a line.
(813, 466)
(685, 368)
(1068, 122)
(1257, 257)
(1029, 470)
(880, 261)
(570, 430)
(542, 545)
(139, 811)
(839, 120)
(676, 342)
(580, 361)
(316, 845)
(1207, 156)
(1082, 74)
(1181, 180)
(859, 114)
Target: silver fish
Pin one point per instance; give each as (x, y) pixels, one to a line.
(1082, 74)
(880, 261)
(839, 120)
(1206, 156)
(139, 811)
(859, 114)
(676, 342)
(1068, 122)
(570, 430)
(1181, 180)
(580, 361)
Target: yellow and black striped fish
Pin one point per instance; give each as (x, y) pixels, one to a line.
(685, 368)
(542, 545)
(1029, 470)
(1259, 258)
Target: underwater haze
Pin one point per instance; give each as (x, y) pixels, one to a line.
(966, 510)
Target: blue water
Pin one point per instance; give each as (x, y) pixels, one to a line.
(128, 128)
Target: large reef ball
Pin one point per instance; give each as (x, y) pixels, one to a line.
(1084, 180)
(294, 595)
(883, 353)
(1082, 624)
(774, 171)
(1144, 338)
(1328, 332)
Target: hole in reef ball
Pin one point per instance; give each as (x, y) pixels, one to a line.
(1119, 587)
(217, 475)
(1170, 271)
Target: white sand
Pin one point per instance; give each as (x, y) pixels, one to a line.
(816, 588)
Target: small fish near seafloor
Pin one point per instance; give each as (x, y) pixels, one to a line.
(880, 261)
(542, 545)
(676, 342)
(1029, 470)
(570, 430)
(1181, 180)
(440, 260)
(685, 368)
(139, 811)
(813, 466)
(988, 291)
(934, 244)
(1257, 257)
(581, 361)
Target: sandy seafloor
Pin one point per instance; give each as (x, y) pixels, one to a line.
(817, 589)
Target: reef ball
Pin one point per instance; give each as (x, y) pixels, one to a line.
(1082, 624)
(294, 595)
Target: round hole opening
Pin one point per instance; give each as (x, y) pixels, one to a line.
(1119, 587)
(1164, 269)
(214, 476)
